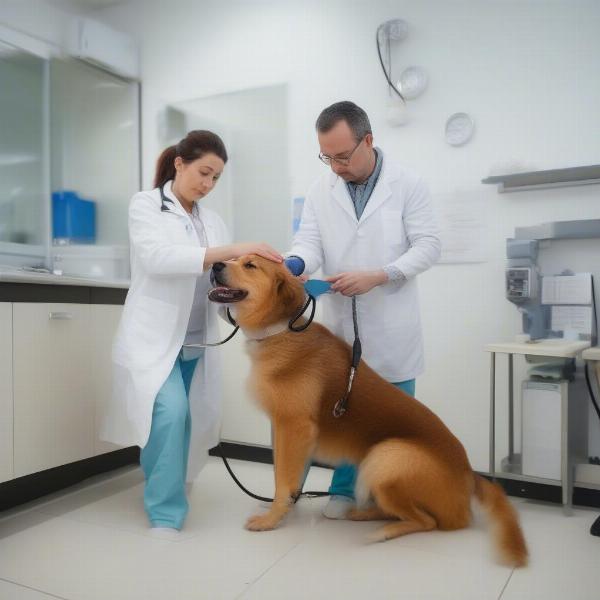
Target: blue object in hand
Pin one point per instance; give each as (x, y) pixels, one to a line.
(316, 287)
(295, 265)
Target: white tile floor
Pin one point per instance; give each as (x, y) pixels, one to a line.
(92, 542)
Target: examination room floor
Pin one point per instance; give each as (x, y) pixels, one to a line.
(92, 542)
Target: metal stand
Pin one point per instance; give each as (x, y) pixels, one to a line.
(511, 466)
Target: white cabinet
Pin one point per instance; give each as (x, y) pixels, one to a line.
(243, 421)
(104, 322)
(53, 397)
(6, 398)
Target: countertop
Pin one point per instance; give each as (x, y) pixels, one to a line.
(10, 274)
(591, 353)
(549, 347)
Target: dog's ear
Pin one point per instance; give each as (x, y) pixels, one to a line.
(289, 290)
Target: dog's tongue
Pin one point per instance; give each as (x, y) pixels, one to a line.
(226, 294)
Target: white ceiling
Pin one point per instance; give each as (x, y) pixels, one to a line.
(91, 3)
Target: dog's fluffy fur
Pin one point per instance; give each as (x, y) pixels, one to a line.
(410, 464)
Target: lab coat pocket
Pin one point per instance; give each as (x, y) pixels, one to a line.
(149, 328)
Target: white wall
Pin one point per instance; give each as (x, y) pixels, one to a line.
(253, 198)
(527, 71)
(253, 124)
(41, 20)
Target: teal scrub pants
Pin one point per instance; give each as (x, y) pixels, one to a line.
(344, 477)
(164, 458)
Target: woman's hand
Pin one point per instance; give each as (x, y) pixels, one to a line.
(259, 248)
(222, 253)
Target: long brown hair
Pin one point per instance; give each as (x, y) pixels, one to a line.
(194, 145)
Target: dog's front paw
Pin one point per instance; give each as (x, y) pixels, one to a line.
(262, 522)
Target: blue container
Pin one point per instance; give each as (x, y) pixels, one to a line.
(73, 219)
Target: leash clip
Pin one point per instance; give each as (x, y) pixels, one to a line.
(340, 406)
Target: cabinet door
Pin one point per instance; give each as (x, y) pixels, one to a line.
(6, 393)
(104, 322)
(53, 399)
(243, 421)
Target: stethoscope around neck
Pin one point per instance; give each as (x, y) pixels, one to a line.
(164, 200)
(164, 208)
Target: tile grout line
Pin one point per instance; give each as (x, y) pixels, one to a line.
(120, 529)
(261, 575)
(28, 587)
(506, 585)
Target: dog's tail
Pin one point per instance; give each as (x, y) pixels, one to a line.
(507, 531)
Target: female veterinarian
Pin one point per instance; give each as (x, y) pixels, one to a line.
(165, 397)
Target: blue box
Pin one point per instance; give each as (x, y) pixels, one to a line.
(73, 219)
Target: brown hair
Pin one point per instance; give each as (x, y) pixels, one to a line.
(194, 145)
(354, 115)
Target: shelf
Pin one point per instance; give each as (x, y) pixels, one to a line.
(591, 353)
(546, 179)
(552, 347)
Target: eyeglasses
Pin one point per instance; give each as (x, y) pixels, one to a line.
(340, 161)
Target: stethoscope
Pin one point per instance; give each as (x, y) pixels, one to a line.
(164, 199)
(164, 208)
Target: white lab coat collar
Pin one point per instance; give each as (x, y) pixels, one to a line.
(177, 207)
(380, 194)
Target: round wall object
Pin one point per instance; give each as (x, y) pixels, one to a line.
(395, 29)
(459, 129)
(412, 82)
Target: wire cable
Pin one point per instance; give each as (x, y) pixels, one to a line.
(263, 498)
(387, 76)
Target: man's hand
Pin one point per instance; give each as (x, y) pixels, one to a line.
(353, 283)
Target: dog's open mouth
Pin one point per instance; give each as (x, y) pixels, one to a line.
(226, 294)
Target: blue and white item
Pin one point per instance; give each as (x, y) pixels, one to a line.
(73, 219)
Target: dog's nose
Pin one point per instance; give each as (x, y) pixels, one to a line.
(216, 271)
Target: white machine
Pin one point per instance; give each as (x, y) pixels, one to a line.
(555, 303)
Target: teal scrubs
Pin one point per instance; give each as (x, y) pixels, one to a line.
(164, 458)
(344, 477)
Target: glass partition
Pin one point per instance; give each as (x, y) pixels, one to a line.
(23, 186)
(94, 150)
(69, 163)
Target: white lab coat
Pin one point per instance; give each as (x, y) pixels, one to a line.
(166, 259)
(397, 227)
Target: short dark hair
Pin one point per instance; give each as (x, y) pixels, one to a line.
(194, 145)
(354, 115)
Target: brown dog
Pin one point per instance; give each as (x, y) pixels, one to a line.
(416, 471)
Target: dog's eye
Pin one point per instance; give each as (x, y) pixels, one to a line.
(249, 265)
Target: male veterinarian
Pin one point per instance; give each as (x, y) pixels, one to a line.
(369, 225)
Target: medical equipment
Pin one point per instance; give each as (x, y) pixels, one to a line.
(164, 200)
(523, 285)
(316, 287)
(392, 30)
(295, 265)
(556, 303)
(541, 410)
